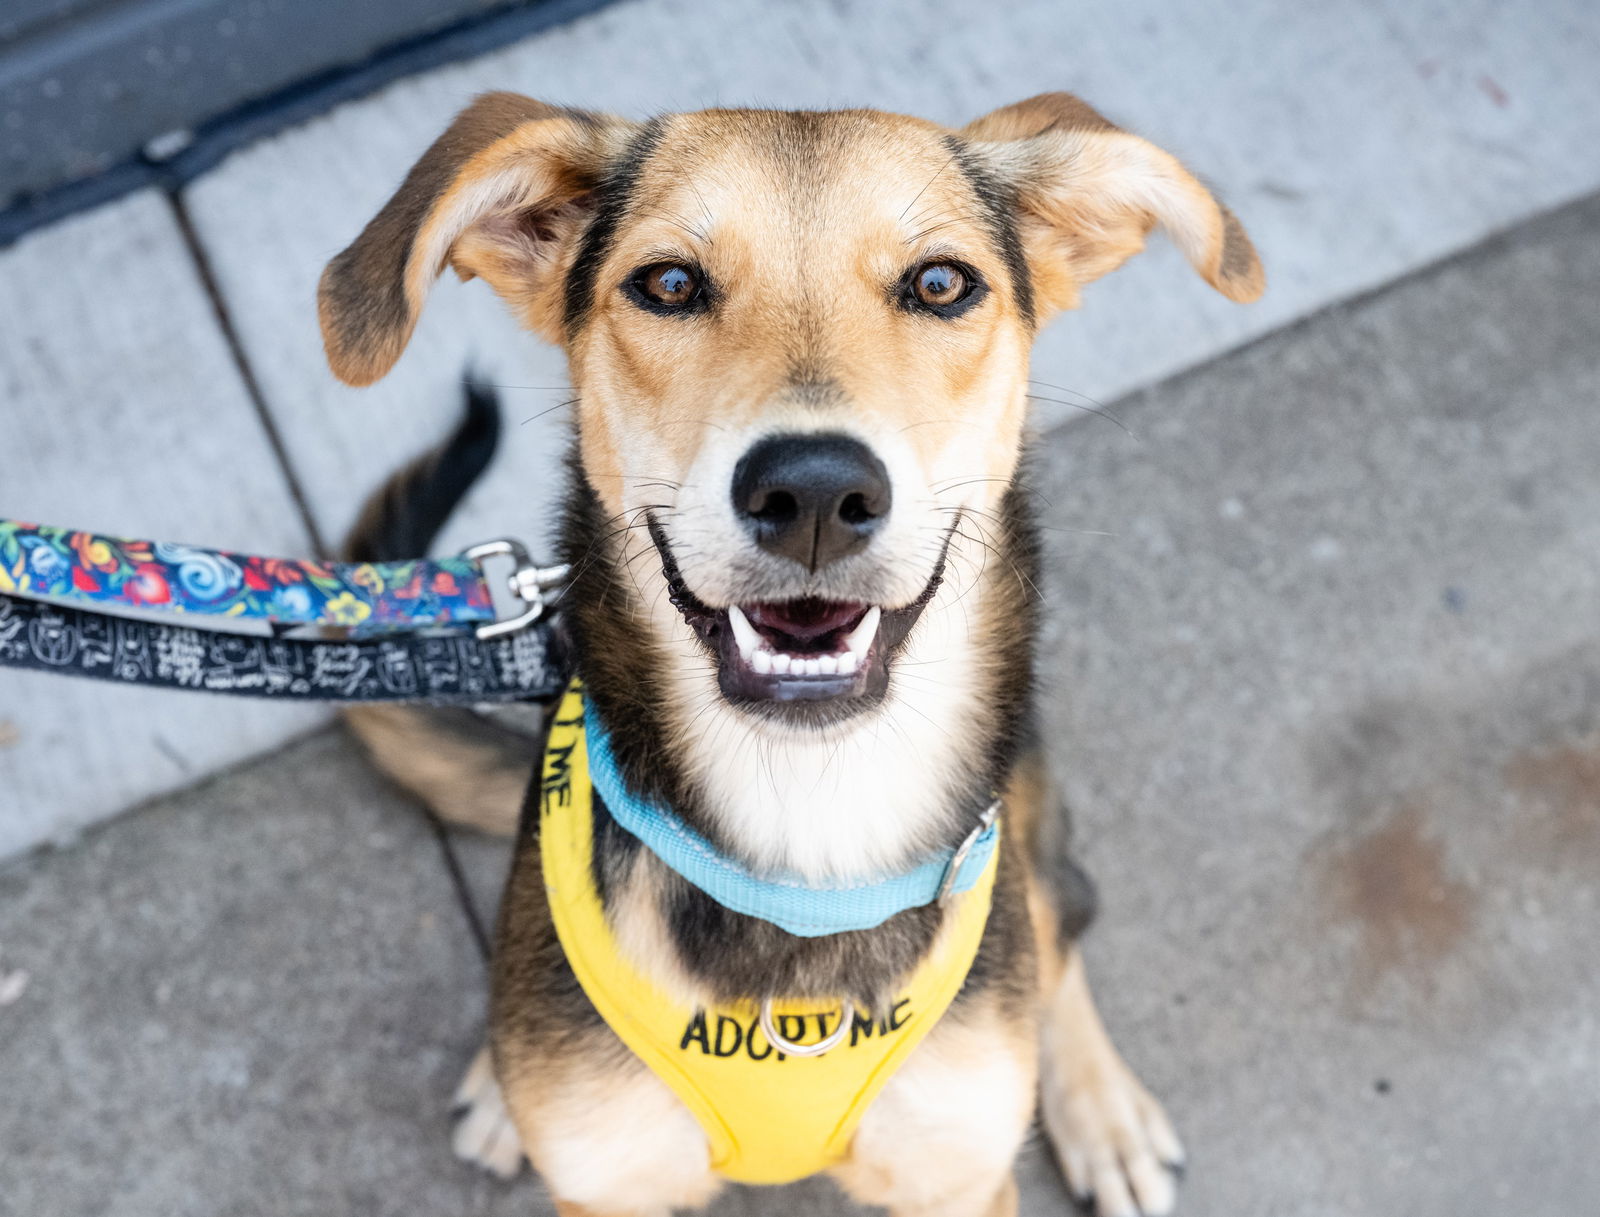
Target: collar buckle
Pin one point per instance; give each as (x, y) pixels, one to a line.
(952, 872)
(527, 582)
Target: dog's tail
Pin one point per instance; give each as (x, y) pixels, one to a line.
(469, 769)
(404, 516)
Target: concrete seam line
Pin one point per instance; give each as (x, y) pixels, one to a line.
(241, 362)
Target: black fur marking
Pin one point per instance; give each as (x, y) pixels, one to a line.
(614, 851)
(1238, 255)
(999, 202)
(618, 663)
(1005, 962)
(613, 197)
(741, 957)
(1075, 897)
(1009, 701)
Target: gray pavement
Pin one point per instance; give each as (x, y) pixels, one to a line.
(1327, 700)
(1329, 708)
(253, 998)
(121, 412)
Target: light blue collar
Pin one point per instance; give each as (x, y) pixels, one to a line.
(785, 900)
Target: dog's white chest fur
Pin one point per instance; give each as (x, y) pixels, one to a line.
(865, 797)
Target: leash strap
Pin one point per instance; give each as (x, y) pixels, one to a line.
(803, 909)
(529, 665)
(43, 560)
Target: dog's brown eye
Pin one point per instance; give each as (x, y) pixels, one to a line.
(945, 289)
(667, 287)
(939, 285)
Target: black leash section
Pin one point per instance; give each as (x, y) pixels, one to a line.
(443, 669)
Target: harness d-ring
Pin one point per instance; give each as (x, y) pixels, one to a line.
(847, 1018)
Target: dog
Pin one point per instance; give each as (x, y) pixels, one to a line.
(803, 602)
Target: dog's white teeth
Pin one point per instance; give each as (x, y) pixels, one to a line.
(859, 640)
(744, 633)
(761, 659)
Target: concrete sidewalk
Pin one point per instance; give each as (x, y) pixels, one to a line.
(1328, 702)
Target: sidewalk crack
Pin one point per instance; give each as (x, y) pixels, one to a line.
(241, 362)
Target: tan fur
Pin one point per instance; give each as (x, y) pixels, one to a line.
(463, 782)
(649, 387)
(1093, 193)
(607, 1134)
(804, 224)
(506, 157)
(1112, 1138)
(512, 211)
(920, 1151)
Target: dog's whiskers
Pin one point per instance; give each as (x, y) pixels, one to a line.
(929, 183)
(1097, 411)
(571, 401)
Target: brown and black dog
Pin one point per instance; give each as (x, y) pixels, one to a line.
(802, 597)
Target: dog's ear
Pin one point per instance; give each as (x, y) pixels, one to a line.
(504, 193)
(1088, 194)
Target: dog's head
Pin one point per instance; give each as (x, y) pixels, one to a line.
(799, 341)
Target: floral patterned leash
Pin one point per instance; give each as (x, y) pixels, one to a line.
(41, 560)
(383, 604)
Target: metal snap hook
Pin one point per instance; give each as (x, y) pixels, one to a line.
(527, 582)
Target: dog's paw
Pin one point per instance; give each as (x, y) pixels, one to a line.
(1114, 1142)
(484, 1134)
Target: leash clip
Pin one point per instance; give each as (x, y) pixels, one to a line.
(527, 582)
(959, 858)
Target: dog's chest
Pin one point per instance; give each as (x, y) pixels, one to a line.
(613, 1136)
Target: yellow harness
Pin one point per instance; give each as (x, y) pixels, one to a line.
(770, 1117)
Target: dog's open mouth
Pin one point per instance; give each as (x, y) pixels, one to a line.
(802, 650)
(799, 650)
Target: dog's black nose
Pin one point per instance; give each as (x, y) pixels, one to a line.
(813, 498)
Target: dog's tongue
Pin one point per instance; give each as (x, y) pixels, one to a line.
(806, 620)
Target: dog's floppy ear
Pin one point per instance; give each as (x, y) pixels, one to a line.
(1089, 193)
(504, 193)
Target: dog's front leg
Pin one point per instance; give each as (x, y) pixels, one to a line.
(941, 1138)
(484, 1134)
(985, 1201)
(487, 1136)
(1113, 1140)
